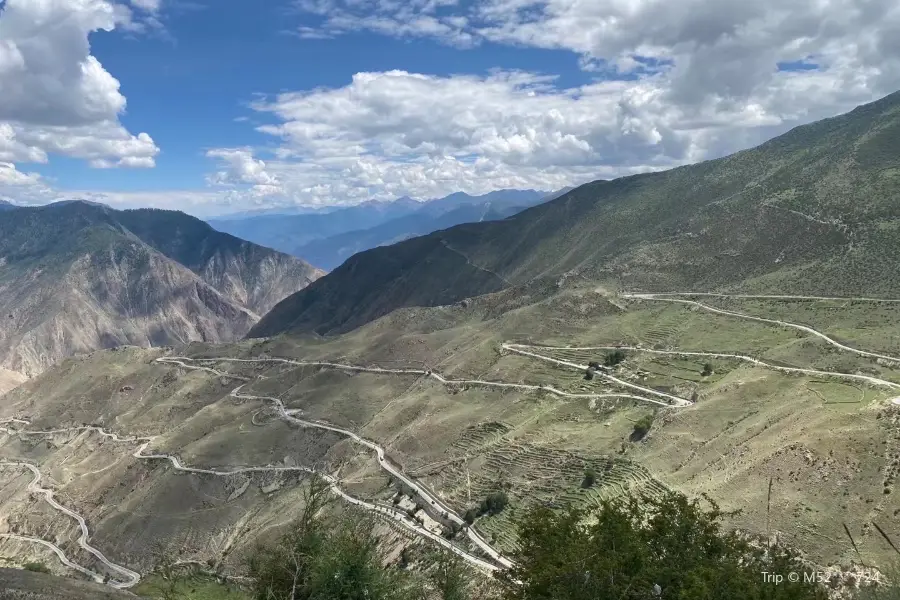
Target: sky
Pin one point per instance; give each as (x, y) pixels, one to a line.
(218, 106)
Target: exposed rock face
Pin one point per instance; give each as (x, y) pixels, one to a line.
(78, 277)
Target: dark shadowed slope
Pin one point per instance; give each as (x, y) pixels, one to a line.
(812, 211)
(76, 277)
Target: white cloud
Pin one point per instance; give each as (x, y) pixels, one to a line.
(391, 134)
(151, 6)
(677, 81)
(413, 18)
(56, 97)
(241, 169)
(9, 176)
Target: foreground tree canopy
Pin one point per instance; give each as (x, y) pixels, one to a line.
(664, 548)
(668, 547)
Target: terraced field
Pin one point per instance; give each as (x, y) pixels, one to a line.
(532, 475)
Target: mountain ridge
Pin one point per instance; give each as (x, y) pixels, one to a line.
(76, 277)
(304, 233)
(328, 253)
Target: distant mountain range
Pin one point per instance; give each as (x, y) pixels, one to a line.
(76, 276)
(814, 211)
(328, 239)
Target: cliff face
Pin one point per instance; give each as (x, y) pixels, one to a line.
(76, 278)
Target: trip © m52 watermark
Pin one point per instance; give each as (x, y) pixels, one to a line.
(794, 577)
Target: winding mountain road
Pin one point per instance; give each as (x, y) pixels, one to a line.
(179, 360)
(743, 357)
(675, 401)
(57, 551)
(427, 496)
(671, 297)
(395, 514)
(130, 577)
(768, 297)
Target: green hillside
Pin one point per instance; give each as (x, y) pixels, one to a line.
(812, 211)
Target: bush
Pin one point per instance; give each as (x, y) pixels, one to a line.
(642, 427)
(470, 516)
(667, 547)
(493, 504)
(37, 567)
(327, 558)
(590, 478)
(707, 370)
(614, 358)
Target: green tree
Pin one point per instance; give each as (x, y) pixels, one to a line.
(36, 567)
(325, 557)
(707, 370)
(640, 549)
(452, 579)
(614, 358)
(642, 427)
(494, 503)
(590, 478)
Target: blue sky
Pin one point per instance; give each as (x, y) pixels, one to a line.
(222, 107)
(211, 63)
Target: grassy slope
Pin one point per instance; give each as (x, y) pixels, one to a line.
(826, 444)
(811, 211)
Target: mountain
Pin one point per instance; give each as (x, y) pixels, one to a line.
(330, 252)
(287, 233)
(284, 210)
(746, 402)
(75, 277)
(293, 234)
(812, 211)
(4, 206)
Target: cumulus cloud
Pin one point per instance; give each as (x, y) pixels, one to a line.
(56, 97)
(10, 176)
(151, 6)
(396, 133)
(674, 81)
(413, 18)
(242, 170)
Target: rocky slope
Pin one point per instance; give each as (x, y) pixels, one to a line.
(18, 584)
(76, 277)
(9, 380)
(812, 211)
